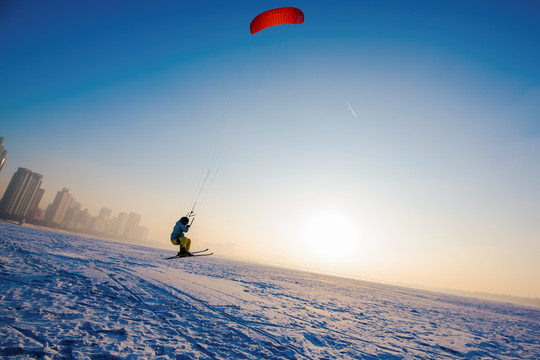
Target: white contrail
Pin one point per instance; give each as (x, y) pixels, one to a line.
(350, 108)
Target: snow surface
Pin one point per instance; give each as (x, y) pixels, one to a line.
(65, 296)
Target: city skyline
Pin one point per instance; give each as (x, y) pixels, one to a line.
(22, 197)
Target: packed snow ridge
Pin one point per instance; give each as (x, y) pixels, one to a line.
(65, 296)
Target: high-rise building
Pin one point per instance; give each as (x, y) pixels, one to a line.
(35, 213)
(58, 209)
(84, 220)
(73, 211)
(119, 224)
(3, 153)
(132, 226)
(98, 225)
(105, 214)
(142, 233)
(20, 194)
(37, 199)
(70, 219)
(100, 222)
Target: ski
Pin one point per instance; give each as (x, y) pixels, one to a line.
(193, 254)
(196, 255)
(183, 257)
(199, 251)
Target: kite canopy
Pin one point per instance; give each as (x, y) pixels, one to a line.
(279, 16)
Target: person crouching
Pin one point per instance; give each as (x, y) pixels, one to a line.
(178, 238)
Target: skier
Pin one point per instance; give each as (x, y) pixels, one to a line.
(178, 238)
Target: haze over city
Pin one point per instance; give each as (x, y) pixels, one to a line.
(393, 141)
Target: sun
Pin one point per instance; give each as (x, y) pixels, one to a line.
(330, 236)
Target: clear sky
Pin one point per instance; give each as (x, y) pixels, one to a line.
(389, 140)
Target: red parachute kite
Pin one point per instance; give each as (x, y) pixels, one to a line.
(279, 16)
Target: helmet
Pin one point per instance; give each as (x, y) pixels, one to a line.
(184, 220)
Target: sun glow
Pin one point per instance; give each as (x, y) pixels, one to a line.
(330, 236)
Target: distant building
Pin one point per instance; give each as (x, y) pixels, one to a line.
(3, 153)
(84, 220)
(117, 226)
(35, 213)
(142, 234)
(37, 199)
(100, 222)
(132, 227)
(57, 211)
(72, 212)
(20, 194)
(105, 214)
(98, 225)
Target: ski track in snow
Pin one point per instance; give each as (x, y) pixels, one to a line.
(66, 296)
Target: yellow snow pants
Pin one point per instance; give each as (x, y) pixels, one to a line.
(183, 241)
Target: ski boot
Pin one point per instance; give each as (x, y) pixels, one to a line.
(183, 252)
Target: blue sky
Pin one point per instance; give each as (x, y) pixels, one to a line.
(433, 180)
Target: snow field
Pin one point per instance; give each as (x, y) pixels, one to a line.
(65, 296)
